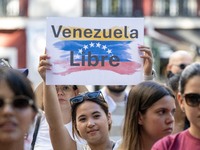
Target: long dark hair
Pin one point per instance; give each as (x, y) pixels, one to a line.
(189, 72)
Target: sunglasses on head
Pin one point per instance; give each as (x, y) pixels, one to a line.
(18, 102)
(95, 96)
(4, 63)
(192, 99)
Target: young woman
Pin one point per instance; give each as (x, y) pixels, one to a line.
(149, 116)
(17, 109)
(92, 121)
(90, 118)
(189, 101)
(40, 137)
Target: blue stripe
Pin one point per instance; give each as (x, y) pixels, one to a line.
(117, 48)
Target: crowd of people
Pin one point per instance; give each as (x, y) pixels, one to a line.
(151, 116)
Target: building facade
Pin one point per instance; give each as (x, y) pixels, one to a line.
(169, 25)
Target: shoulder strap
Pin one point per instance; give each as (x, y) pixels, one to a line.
(36, 131)
(113, 145)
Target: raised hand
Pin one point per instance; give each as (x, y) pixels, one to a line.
(44, 65)
(148, 59)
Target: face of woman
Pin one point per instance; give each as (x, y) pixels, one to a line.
(92, 122)
(158, 121)
(14, 122)
(65, 92)
(192, 113)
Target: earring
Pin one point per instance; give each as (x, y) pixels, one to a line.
(183, 109)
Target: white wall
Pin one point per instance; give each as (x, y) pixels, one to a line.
(44, 8)
(36, 28)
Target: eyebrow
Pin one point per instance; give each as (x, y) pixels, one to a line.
(95, 112)
(161, 108)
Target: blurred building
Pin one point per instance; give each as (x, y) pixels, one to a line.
(23, 27)
(13, 14)
(169, 25)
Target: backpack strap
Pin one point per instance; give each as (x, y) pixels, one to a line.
(113, 145)
(37, 125)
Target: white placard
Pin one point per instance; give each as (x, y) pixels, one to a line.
(94, 51)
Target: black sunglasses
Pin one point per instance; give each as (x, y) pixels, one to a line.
(192, 99)
(18, 102)
(182, 66)
(97, 95)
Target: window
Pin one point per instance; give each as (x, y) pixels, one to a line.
(13, 8)
(107, 8)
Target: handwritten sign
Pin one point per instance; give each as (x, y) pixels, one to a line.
(94, 51)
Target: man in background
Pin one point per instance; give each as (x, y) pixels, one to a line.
(178, 61)
(116, 97)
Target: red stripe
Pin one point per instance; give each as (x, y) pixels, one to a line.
(123, 68)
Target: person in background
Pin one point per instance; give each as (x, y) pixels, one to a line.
(39, 96)
(63, 94)
(116, 95)
(17, 109)
(4, 63)
(178, 60)
(181, 122)
(189, 101)
(149, 115)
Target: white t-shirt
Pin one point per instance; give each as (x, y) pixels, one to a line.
(86, 147)
(43, 141)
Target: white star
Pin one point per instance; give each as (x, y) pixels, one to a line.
(109, 51)
(91, 44)
(104, 47)
(85, 47)
(80, 51)
(98, 44)
(77, 56)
